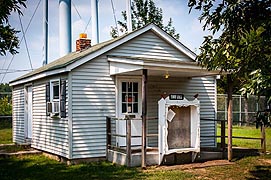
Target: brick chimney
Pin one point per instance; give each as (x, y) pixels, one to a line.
(82, 43)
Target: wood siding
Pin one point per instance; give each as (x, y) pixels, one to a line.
(49, 134)
(18, 103)
(206, 89)
(148, 45)
(93, 98)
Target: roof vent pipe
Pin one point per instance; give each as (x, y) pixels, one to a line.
(94, 22)
(129, 18)
(64, 27)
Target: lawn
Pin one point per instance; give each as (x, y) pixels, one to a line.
(248, 131)
(5, 132)
(40, 167)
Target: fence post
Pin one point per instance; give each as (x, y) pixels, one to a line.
(108, 135)
(128, 140)
(263, 139)
(240, 110)
(223, 136)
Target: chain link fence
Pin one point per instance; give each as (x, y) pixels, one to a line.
(244, 110)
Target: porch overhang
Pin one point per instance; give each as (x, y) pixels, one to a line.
(175, 68)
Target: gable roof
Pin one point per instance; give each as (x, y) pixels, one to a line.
(75, 59)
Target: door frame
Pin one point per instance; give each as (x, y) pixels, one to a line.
(28, 112)
(136, 125)
(121, 79)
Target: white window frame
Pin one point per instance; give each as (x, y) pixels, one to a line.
(52, 100)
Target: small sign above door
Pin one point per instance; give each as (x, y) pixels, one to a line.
(176, 97)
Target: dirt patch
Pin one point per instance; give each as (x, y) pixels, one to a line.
(192, 165)
(265, 161)
(9, 150)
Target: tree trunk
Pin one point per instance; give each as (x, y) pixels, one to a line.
(230, 116)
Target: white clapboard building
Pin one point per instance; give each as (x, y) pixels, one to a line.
(61, 108)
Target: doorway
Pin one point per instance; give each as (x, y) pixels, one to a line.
(179, 130)
(129, 103)
(28, 112)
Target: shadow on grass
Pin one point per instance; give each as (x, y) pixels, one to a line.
(261, 172)
(39, 167)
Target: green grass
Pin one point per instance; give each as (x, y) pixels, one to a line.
(253, 167)
(13, 148)
(5, 132)
(40, 167)
(248, 131)
(6, 136)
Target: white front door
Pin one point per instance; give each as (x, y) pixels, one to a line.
(129, 103)
(28, 124)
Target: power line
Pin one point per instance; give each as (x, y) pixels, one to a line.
(15, 71)
(115, 19)
(11, 43)
(22, 38)
(76, 10)
(78, 13)
(87, 25)
(25, 42)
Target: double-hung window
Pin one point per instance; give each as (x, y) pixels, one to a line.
(56, 98)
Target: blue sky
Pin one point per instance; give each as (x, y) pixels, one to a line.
(187, 25)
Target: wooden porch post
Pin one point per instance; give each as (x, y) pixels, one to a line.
(263, 139)
(144, 114)
(108, 135)
(230, 116)
(223, 135)
(128, 140)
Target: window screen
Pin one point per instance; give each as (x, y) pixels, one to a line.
(55, 90)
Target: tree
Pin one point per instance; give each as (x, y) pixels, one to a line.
(5, 100)
(4, 87)
(5, 107)
(9, 42)
(143, 13)
(243, 45)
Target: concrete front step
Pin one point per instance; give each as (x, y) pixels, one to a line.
(19, 153)
(26, 150)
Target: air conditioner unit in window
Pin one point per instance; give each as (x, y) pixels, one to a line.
(55, 107)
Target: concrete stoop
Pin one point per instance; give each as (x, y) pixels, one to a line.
(29, 151)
